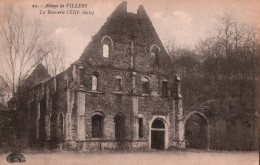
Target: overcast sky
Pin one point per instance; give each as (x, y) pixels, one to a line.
(188, 21)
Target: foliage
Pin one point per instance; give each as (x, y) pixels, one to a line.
(222, 73)
(225, 65)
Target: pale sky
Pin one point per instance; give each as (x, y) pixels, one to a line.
(188, 21)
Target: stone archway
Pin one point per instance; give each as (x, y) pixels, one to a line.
(158, 133)
(197, 133)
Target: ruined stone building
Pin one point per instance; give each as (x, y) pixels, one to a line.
(122, 92)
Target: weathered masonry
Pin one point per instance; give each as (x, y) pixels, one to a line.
(122, 92)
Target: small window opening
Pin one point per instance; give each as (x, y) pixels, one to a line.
(140, 132)
(165, 89)
(94, 82)
(145, 86)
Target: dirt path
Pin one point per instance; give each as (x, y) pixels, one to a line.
(140, 158)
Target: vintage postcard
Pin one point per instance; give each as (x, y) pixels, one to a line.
(129, 82)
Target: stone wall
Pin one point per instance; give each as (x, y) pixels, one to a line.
(131, 38)
(226, 133)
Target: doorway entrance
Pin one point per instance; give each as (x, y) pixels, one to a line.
(158, 134)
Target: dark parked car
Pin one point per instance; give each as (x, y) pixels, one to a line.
(15, 157)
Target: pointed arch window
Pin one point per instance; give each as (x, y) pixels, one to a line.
(107, 44)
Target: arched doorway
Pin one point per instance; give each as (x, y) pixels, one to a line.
(158, 134)
(196, 131)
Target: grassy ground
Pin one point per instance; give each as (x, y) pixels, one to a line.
(188, 157)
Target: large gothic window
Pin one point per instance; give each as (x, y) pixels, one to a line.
(97, 126)
(119, 126)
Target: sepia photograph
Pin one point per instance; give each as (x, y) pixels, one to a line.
(129, 82)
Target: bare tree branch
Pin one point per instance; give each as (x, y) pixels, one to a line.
(20, 43)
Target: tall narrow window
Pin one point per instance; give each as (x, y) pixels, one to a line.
(118, 83)
(145, 86)
(61, 127)
(94, 82)
(119, 127)
(97, 126)
(165, 89)
(140, 131)
(105, 50)
(81, 75)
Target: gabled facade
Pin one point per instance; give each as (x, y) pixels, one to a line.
(122, 92)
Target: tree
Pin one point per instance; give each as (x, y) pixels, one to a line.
(226, 63)
(187, 64)
(231, 56)
(223, 73)
(171, 46)
(21, 41)
(55, 60)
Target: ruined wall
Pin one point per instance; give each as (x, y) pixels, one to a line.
(229, 131)
(127, 34)
(131, 38)
(123, 28)
(109, 102)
